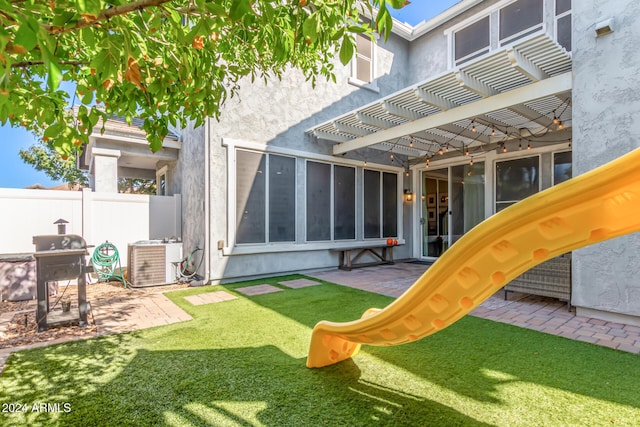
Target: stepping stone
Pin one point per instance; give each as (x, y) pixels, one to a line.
(210, 298)
(258, 290)
(299, 283)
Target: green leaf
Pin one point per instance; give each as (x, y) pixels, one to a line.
(26, 36)
(310, 28)
(54, 130)
(346, 50)
(239, 8)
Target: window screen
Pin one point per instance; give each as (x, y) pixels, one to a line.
(562, 169)
(344, 221)
(282, 194)
(250, 197)
(371, 204)
(563, 32)
(562, 6)
(520, 16)
(473, 39)
(318, 201)
(389, 204)
(516, 180)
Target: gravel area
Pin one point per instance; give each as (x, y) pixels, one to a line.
(22, 328)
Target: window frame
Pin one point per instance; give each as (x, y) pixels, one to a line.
(353, 74)
(477, 53)
(332, 202)
(227, 231)
(523, 33)
(399, 204)
(493, 13)
(267, 172)
(495, 179)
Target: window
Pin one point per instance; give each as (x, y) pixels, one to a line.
(519, 19)
(364, 59)
(472, 41)
(265, 198)
(344, 190)
(318, 201)
(563, 23)
(516, 180)
(562, 168)
(380, 204)
(331, 215)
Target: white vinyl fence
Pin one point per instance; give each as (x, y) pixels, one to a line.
(97, 217)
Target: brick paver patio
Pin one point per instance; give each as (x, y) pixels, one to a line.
(542, 314)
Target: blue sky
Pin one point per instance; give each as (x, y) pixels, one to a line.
(14, 173)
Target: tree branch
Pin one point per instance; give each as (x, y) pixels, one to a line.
(107, 14)
(26, 64)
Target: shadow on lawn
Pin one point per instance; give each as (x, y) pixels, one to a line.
(226, 386)
(475, 357)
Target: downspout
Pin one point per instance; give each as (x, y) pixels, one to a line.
(207, 201)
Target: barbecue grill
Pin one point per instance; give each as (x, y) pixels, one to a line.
(60, 257)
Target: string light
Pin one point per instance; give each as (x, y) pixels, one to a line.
(392, 157)
(493, 132)
(365, 163)
(473, 127)
(528, 146)
(466, 152)
(555, 119)
(560, 125)
(446, 148)
(411, 143)
(440, 151)
(504, 148)
(471, 162)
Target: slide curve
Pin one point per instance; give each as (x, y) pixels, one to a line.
(596, 206)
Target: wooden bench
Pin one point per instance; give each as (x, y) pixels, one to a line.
(347, 262)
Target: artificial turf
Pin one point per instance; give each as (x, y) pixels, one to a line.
(242, 363)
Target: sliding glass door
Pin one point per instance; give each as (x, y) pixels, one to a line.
(453, 201)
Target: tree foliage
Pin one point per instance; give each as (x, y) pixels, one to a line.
(45, 158)
(164, 61)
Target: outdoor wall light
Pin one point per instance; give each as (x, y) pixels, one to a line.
(605, 27)
(408, 195)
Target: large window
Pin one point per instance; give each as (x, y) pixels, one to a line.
(380, 204)
(519, 19)
(330, 215)
(515, 180)
(265, 198)
(472, 41)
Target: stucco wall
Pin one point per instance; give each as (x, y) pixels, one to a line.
(277, 115)
(606, 113)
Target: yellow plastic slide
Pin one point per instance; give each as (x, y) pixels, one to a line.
(599, 205)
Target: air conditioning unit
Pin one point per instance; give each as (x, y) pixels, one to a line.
(153, 262)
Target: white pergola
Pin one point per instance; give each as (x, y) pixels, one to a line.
(506, 94)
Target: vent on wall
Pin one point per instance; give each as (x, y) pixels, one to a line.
(153, 262)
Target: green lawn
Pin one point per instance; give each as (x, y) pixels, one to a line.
(242, 363)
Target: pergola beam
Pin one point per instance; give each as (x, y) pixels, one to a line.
(542, 89)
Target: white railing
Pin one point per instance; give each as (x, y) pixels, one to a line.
(97, 217)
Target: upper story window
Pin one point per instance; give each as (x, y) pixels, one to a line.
(472, 41)
(563, 23)
(507, 22)
(364, 59)
(363, 65)
(520, 19)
